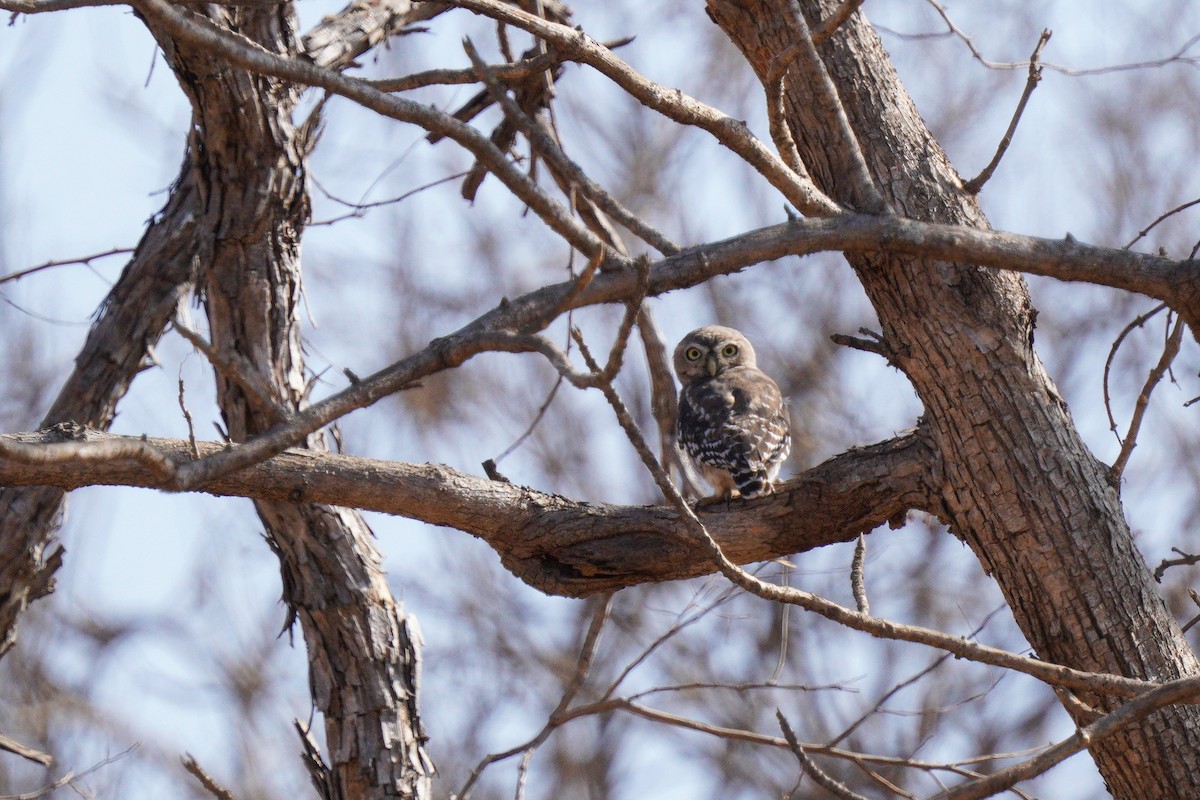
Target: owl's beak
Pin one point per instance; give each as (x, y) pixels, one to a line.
(711, 363)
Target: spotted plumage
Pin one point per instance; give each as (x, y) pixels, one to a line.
(733, 423)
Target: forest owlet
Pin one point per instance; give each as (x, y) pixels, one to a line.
(732, 420)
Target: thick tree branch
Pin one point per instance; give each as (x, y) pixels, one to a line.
(555, 544)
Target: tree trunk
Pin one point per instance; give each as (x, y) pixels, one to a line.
(1018, 484)
(362, 648)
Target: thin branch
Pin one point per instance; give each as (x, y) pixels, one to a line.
(85, 260)
(1137, 322)
(583, 666)
(1161, 218)
(236, 369)
(671, 103)
(207, 781)
(1170, 350)
(857, 584)
(822, 779)
(549, 149)
(518, 70)
(69, 778)
(200, 32)
(830, 24)
(864, 195)
(1184, 690)
(1035, 77)
(1178, 57)
(25, 751)
(1185, 560)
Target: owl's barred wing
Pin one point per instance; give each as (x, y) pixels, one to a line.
(737, 423)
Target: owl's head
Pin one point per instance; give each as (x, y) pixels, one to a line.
(709, 351)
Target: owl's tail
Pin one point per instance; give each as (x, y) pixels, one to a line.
(753, 483)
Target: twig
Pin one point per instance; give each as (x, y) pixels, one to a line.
(857, 586)
(517, 70)
(207, 781)
(360, 209)
(824, 780)
(830, 24)
(234, 367)
(187, 416)
(558, 717)
(1184, 690)
(550, 150)
(904, 684)
(25, 751)
(1195, 597)
(1186, 560)
(1035, 76)
(953, 30)
(1137, 322)
(85, 260)
(69, 778)
(1170, 350)
(1161, 218)
(671, 103)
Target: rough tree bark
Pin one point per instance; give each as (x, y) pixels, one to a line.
(1017, 483)
(363, 653)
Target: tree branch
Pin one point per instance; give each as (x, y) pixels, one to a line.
(1176, 282)
(671, 103)
(1035, 77)
(555, 544)
(1184, 690)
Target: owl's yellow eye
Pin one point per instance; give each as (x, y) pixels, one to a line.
(692, 353)
(729, 350)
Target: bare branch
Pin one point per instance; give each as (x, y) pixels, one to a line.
(822, 779)
(810, 69)
(671, 103)
(85, 260)
(215, 789)
(830, 24)
(1161, 218)
(1184, 690)
(25, 751)
(1170, 350)
(549, 149)
(857, 585)
(1185, 560)
(1035, 77)
(200, 32)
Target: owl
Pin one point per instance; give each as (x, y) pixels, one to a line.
(733, 423)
